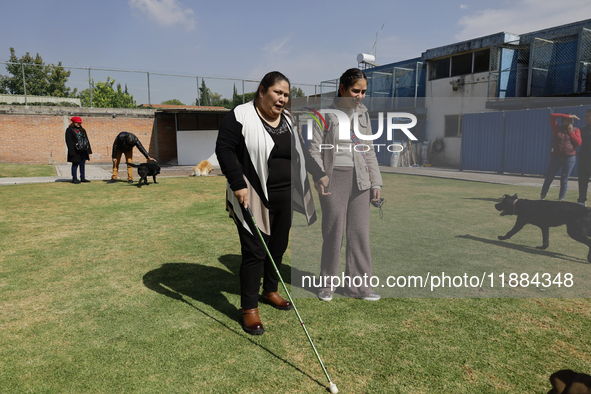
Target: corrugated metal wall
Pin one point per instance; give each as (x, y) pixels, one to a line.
(482, 141)
(517, 142)
(382, 153)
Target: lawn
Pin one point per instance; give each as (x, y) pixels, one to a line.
(25, 170)
(111, 289)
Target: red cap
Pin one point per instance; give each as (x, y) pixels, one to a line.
(76, 119)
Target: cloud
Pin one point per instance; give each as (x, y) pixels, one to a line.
(522, 16)
(276, 47)
(166, 13)
(464, 7)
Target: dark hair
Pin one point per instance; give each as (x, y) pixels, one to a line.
(349, 78)
(269, 80)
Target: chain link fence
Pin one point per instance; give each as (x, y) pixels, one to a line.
(584, 63)
(542, 67)
(145, 87)
(396, 86)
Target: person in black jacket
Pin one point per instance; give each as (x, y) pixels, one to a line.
(263, 157)
(79, 149)
(584, 166)
(123, 145)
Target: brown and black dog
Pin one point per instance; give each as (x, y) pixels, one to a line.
(145, 170)
(568, 381)
(546, 214)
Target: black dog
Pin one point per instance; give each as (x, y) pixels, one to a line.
(145, 170)
(546, 214)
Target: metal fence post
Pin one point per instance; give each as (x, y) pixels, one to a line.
(24, 82)
(198, 94)
(90, 87)
(243, 94)
(578, 63)
(149, 100)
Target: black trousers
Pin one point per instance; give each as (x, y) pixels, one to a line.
(584, 173)
(255, 262)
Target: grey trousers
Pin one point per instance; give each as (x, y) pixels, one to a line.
(347, 209)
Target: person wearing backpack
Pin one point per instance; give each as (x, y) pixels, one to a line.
(79, 149)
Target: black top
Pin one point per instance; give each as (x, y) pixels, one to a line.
(585, 149)
(121, 144)
(280, 160)
(230, 150)
(72, 135)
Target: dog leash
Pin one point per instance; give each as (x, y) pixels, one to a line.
(379, 204)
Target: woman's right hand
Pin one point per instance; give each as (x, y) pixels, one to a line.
(322, 186)
(242, 196)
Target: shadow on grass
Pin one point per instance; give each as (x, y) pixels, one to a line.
(202, 283)
(205, 284)
(522, 248)
(491, 199)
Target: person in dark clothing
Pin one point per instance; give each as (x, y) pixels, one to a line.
(565, 140)
(265, 162)
(79, 149)
(123, 145)
(584, 166)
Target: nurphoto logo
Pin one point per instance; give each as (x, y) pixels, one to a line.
(394, 120)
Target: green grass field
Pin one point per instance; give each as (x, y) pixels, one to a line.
(112, 289)
(25, 170)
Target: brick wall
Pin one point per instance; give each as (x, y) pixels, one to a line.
(36, 135)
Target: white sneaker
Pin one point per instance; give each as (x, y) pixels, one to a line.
(373, 296)
(582, 203)
(325, 295)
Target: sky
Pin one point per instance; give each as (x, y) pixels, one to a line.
(308, 41)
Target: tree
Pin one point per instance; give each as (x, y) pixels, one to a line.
(172, 102)
(204, 93)
(57, 78)
(215, 98)
(236, 99)
(209, 98)
(41, 79)
(296, 92)
(104, 96)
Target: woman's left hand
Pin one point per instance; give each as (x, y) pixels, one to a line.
(376, 195)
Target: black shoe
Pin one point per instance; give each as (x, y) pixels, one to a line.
(75, 181)
(130, 181)
(85, 181)
(112, 180)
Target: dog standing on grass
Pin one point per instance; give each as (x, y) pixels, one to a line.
(145, 170)
(203, 168)
(546, 214)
